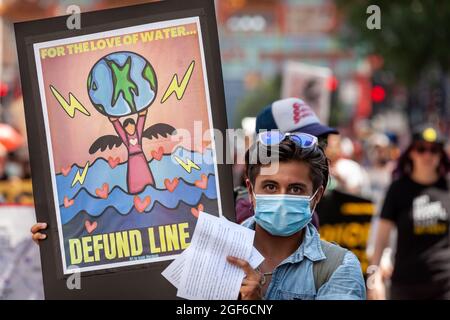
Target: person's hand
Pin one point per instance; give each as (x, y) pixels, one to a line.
(376, 290)
(251, 288)
(112, 119)
(143, 112)
(387, 271)
(35, 234)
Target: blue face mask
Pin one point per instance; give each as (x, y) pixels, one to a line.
(283, 214)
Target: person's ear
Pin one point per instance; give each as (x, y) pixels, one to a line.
(248, 184)
(250, 191)
(318, 196)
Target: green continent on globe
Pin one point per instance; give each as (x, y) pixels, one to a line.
(122, 83)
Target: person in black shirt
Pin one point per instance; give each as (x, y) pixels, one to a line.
(417, 203)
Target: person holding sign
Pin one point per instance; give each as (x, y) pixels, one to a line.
(297, 265)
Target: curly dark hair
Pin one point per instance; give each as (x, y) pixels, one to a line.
(258, 155)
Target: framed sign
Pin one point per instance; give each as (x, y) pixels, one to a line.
(120, 117)
(310, 83)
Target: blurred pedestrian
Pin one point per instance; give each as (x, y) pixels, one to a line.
(417, 204)
(380, 166)
(344, 212)
(379, 169)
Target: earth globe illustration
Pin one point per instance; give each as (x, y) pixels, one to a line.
(122, 83)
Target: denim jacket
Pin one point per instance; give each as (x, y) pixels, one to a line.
(293, 278)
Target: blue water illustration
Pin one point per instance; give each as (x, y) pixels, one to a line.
(118, 200)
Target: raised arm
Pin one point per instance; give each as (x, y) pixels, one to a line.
(141, 123)
(119, 129)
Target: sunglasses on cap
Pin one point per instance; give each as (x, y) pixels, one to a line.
(433, 149)
(275, 137)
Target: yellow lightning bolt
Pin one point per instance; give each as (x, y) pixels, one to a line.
(188, 165)
(179, 88)
(70, 106)
(79, 178)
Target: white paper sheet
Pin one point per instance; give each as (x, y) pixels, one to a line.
(256, 258)
(174, 270)
(206, 274)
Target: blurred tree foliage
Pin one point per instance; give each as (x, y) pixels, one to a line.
(414, 36)
(263, 95)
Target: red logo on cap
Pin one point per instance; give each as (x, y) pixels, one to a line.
(301, 111)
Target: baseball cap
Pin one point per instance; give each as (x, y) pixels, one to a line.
(379, 139)
(428, 133)
(289, 115)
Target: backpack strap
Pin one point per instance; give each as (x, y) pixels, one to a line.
(324, 269)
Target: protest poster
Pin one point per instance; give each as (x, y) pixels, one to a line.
(345, 219)
(311, 84)
(120, 117)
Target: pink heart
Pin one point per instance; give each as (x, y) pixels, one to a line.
(65, 171)
(202, 183)
(141, 205)
(67, 202)
(158, 154)
(171, 185)
(103, 192)
(90, 227)
(196, 211)
(113, 162)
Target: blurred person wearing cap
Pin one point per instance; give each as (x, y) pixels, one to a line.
(345, 212)
(341, 151)
(380, 165)
(350, 176)
(286, 115)
(293, 115)
(417, 205)
(379, 169)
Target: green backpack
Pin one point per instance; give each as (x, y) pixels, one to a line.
(324, 269)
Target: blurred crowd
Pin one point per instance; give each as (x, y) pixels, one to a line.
(15, 173)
